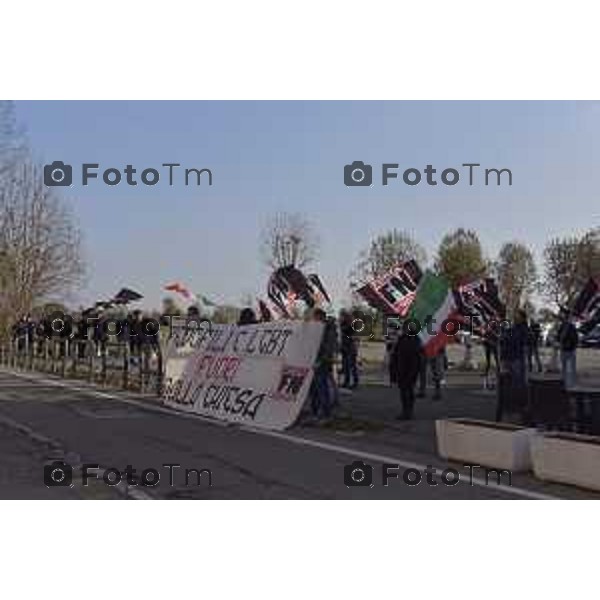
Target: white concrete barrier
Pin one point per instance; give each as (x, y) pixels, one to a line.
(484, 443)
(567, 458)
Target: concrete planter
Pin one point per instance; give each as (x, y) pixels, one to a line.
(484, 443)
(567, 458)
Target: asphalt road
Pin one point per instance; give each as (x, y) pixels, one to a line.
(44, 419)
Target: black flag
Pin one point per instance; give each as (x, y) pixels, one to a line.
(127, 295)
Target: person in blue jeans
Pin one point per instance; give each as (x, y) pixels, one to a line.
(320, 392)
(568, 340)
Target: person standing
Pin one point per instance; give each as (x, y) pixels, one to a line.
(512, 382)
(349, 352)
(247, 317)
(513, 349)
(134, 332)
(406, 362)
(535, 336)
(567, 341)
(490, 345)
(320, 392)
(434, 365)
(391, 338)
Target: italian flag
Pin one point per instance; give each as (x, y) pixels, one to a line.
(433, 304)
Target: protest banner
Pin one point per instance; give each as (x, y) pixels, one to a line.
(586, 305)
(288, 285)
(394, 291)
(258, 374)
(479, 303)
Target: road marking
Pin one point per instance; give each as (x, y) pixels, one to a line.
(126, 491)
(138, 403)
(476, 481)
(294, 439)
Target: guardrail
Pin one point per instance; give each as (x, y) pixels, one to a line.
(111, 363)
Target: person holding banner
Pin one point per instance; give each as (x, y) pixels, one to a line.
(321, 390)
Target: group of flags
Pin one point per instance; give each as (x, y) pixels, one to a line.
(187, 295)
(126, 295)
(123, 297)
(426, 297)
(288, 285)
(586, 307)
(394, 291)
(405, 291)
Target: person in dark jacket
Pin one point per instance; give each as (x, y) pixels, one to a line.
(568, 340)
(535, 336)
(406, 361)
(134, 332)
(247, 317)
(514, 343)
(348, 351)
(490, 345)
(321, 391)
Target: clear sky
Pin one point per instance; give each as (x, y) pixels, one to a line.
(289, 156)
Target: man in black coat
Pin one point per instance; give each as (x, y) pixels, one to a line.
(349, 351)
(405, 364)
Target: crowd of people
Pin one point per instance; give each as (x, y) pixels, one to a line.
(339, 341)
(514, 350)
(138, 331)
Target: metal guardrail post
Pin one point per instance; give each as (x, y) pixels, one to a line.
(159, 371)
(65, 351)
(126, 367)
(26, 354)
(45, 363)
(93, 351)
(103, 355)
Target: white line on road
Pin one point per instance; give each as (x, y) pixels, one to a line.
(294, 439)
(380, 458)
(127, 491)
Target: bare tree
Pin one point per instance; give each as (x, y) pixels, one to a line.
(13, 148)
(568, 264)
(516, 273)
(384, 252)
(289, 239)
(460, 257)
(40, 246)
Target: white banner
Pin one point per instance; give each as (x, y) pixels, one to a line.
(258, 374)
